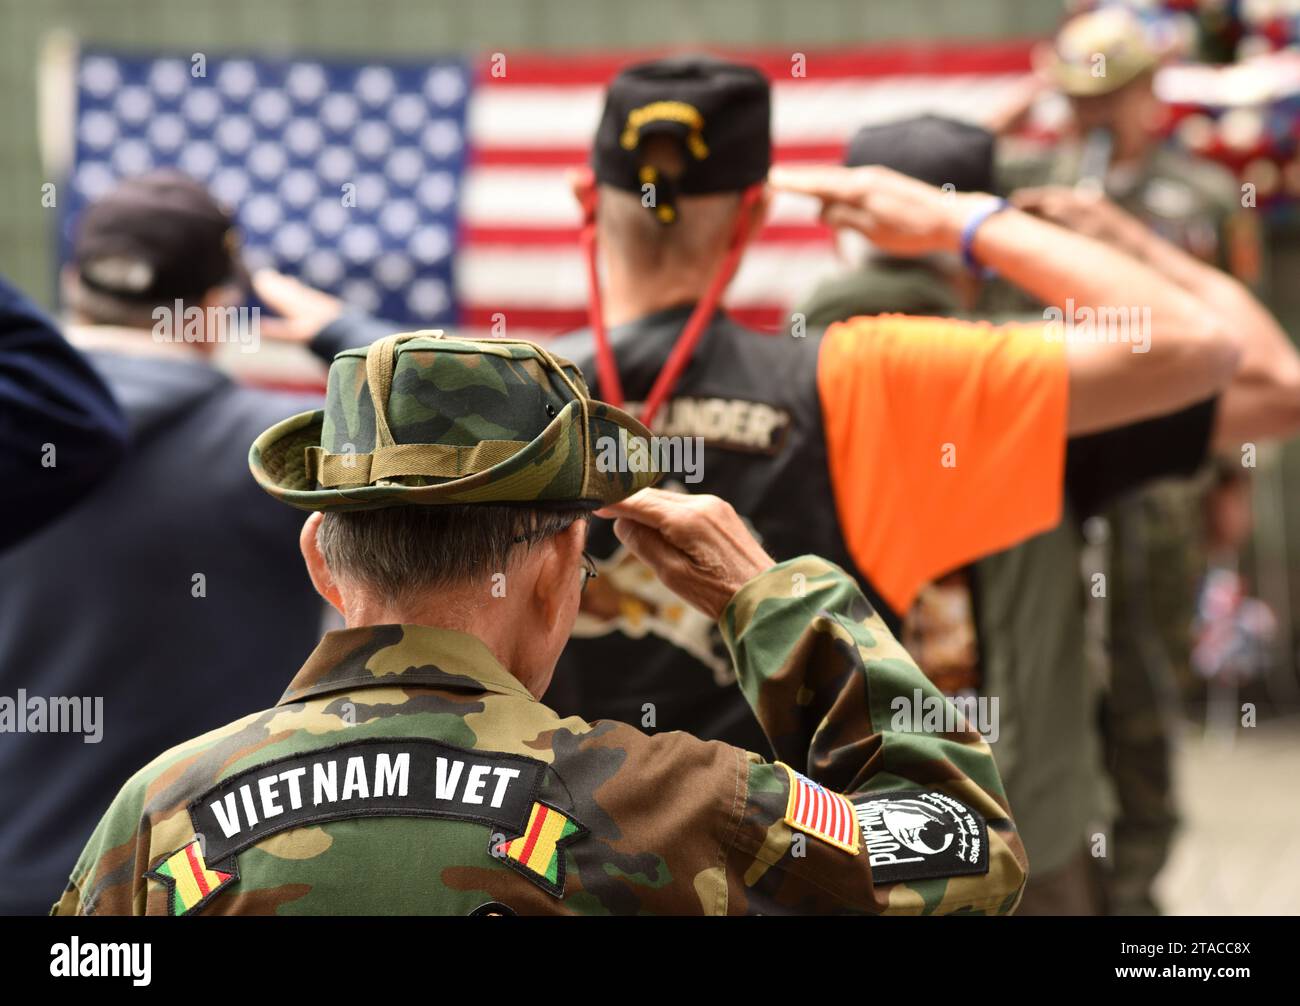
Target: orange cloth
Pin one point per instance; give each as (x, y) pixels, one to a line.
(946, 442)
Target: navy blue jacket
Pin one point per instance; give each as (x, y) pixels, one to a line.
(175, 592)
(48, 395)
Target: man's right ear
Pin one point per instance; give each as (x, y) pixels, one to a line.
(321, 577)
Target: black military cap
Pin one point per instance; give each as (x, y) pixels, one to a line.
(929, 148)
(719, 113)
(156, 238)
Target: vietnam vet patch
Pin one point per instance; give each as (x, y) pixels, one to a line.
(816, 811)
(189, 881)
(372, 777)
(918, 835)
(538, 853)
(388, 777)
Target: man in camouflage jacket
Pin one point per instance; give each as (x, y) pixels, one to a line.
(410, 766)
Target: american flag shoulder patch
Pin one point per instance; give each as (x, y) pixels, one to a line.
(816, 811)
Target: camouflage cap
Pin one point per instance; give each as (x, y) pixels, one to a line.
(423, 419)
(1099, 52)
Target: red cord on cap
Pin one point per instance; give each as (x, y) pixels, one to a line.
(610, 388)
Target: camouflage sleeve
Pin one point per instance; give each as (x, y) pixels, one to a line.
(883, 800)
(109, 876)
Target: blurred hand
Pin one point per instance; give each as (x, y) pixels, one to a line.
(900, 215)
(303, 310)
(697, 545)
(1009, 114)
(1083, 210)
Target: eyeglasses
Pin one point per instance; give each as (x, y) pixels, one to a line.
(589, 571)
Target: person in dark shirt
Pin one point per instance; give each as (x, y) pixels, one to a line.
(143, 607)
(61, 432)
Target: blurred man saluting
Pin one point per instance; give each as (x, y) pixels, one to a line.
(156, 591)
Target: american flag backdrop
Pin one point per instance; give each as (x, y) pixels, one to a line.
(346, 175)
(435, 193)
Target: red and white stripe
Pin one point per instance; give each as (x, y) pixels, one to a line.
(820, 812)
(517, 253)
(519, 250)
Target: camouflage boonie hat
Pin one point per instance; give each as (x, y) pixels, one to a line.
(423, 419)
(1099, 52)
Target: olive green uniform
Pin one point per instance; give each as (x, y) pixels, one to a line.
(1154, 551)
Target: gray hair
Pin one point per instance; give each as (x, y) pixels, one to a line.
(400, 551)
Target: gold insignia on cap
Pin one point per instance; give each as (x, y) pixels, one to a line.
(666, 111)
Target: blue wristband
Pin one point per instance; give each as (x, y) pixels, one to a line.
(968, 235)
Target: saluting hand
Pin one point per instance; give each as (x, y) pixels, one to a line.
(303, 310)
(1085, 211)
(898, 214)
(697, 545)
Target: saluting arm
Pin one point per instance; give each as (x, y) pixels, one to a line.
(1182, 353)
(1263, 399)
(863, 733)
(313, 319)
(882, 801)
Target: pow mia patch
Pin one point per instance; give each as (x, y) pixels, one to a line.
(921, 834)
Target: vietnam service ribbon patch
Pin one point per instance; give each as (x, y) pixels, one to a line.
(189, 881)
(817, 811)
(539, 852)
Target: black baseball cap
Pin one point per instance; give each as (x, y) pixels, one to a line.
(930, 148)
(719, 112)
(156, 238)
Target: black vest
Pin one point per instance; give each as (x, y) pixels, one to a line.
(638, 654)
